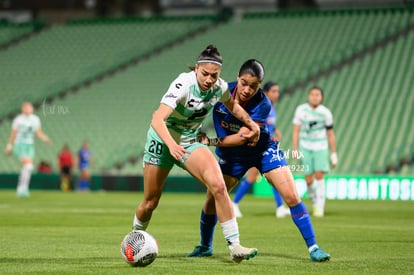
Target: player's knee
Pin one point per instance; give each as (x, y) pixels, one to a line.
(309, 179)
(319, 175)
(291, 199)
(219, 190)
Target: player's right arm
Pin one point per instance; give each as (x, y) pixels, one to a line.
(177, 90)
(295, 137)
(9, 146)
(159, 118)
(295, 133)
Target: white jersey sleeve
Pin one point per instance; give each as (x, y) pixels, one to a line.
(177, 91)
(225, 88)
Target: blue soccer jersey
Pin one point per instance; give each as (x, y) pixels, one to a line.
(84, 157)
(271, 120)
(237, 160)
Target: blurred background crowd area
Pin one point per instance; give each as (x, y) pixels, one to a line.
(96, 69)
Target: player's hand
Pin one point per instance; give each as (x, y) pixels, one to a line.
(203, 138)
(178, 152)
(251, 135)
(334, 159)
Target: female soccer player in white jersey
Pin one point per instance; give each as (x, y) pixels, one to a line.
(21, 143)
(312, 132)
(174, 126)
(236, 157)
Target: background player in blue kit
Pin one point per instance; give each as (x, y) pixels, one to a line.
(84, 160)
(236, 157)
(271, 90)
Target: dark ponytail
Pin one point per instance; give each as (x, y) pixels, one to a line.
(209, 55)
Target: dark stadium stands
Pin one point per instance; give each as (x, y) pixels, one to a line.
(370, 95)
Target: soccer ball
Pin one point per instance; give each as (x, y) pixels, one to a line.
(139, 248)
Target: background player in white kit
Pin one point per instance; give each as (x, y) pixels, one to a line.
(312, 133)
(21, 143)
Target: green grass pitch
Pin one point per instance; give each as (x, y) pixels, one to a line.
(80, 233)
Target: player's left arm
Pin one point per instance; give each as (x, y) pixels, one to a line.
(243, 116)
(332, 146)
(236, 139)
(42, 136)
(331, 138)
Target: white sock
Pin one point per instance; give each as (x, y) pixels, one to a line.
(312, 193)
(139, 225)
(310, 248)
(320, 193)
(231, 232)
(24, 178)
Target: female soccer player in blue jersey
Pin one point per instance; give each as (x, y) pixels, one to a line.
(84, 160)
(236, 157)
(271, 90)
(175, 124)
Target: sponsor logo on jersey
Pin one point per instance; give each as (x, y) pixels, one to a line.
(170, 95)
(232, 127)
(191, 102)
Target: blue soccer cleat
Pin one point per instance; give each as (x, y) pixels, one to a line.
(201, 251)
(318, 255)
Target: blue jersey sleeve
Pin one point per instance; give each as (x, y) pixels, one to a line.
(260, 112)
(219, 114)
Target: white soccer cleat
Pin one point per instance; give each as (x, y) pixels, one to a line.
(236, 210)
(240, 253)
(282, 212)
(318, 211)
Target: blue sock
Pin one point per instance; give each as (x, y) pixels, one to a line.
(242, 190)
(277, 197)
(302, 220)
(83, 184)
(207, 225)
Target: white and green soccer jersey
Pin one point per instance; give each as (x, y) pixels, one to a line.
(26, 126)
(313, 124)
(191, 105)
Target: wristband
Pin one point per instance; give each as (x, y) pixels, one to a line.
(9, 146)
(334, 158)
